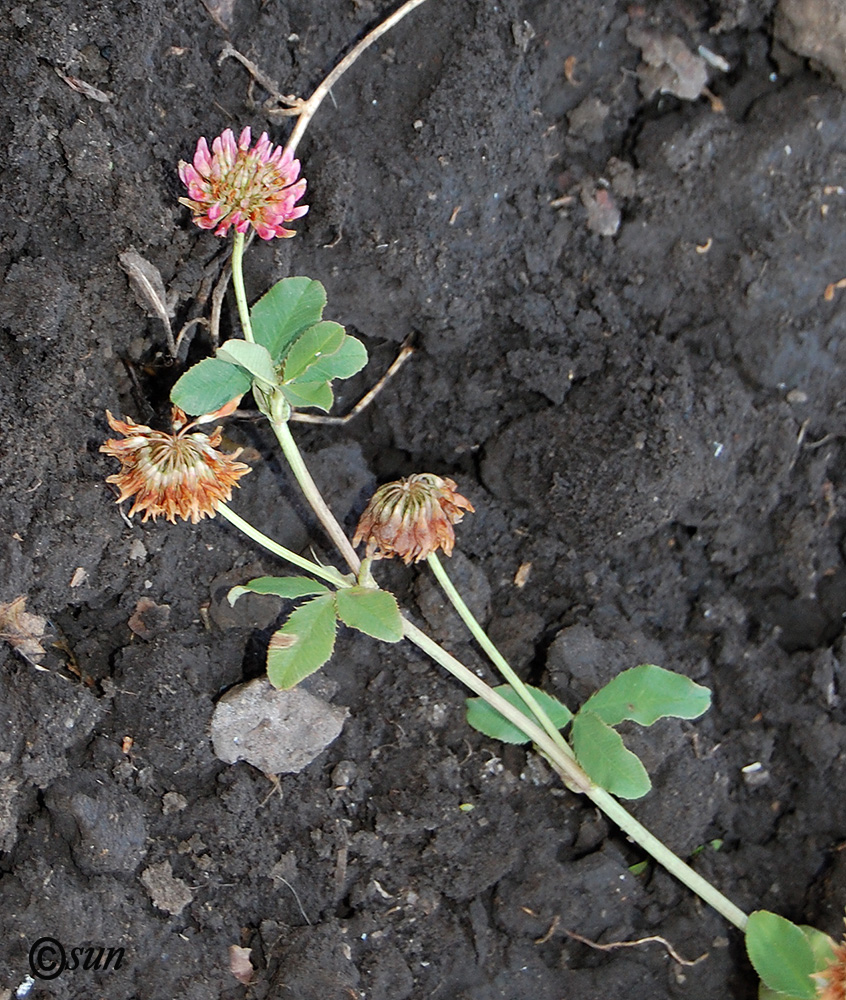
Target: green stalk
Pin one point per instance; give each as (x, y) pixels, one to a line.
(313, 495)
(665, 857)
(329, 574)
(283, 432)
(565, 765)
(496, 657)
(238, 284)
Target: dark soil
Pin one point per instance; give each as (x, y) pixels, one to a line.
(651, 419)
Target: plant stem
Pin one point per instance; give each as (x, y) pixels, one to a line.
(665, 857)
(312, 494)
(308, 109)
(314, 568)
(560, 758)
(576, 779)
(496, 657)
(238, 283)
(563, 763)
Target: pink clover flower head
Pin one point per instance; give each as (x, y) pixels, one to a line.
(233, 185)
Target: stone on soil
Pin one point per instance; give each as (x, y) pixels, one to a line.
(279, 732)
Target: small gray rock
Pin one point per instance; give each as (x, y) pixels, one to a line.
(279, 732)
(166, 892)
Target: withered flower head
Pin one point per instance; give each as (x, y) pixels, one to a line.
(411, 518)
(233, 185)
(178, 475)
(831, 982)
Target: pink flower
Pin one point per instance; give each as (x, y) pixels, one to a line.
(234, 185)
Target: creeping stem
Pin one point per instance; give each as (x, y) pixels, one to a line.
(313, 495)
(560, 758)
(606, 802)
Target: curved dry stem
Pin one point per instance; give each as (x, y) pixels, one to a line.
(309, 107)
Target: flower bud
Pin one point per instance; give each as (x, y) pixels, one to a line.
(411, 518)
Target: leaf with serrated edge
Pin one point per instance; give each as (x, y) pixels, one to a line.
(487, 720)
(647, 693)
(209, 385)
(601, 752)
(254, 357)
(289, 587)
(281, 314)
(374, 612)
(317, 394)
(303, 644)
(350, 358)
(781, 955)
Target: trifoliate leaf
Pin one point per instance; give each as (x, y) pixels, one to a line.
(487, 720)
(209, 385)
(310, 348)
(374, 612)
(781, 954)
(647, 693)
(289, 587)
(601, 752)
(281, 314)
(254, 357)
(303, 644)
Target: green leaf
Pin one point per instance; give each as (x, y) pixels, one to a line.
(281, 314)
(209, 385)
(481, 716)
(647, 693)
(254, 357)
(601, 752)
(350, 358)
(303, 644)
(781, 954)
(317, 394)
(310, 347)
(289, 587)
(374, 612)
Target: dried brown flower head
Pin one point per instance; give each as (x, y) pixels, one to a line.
(831, 982)
(411, 518)
(178, 475)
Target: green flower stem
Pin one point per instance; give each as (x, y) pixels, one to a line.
(606, 802)
(238, 284)
(330, 575)
(312, 494)
(496, 657)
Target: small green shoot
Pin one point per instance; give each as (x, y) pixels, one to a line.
(295, 354)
